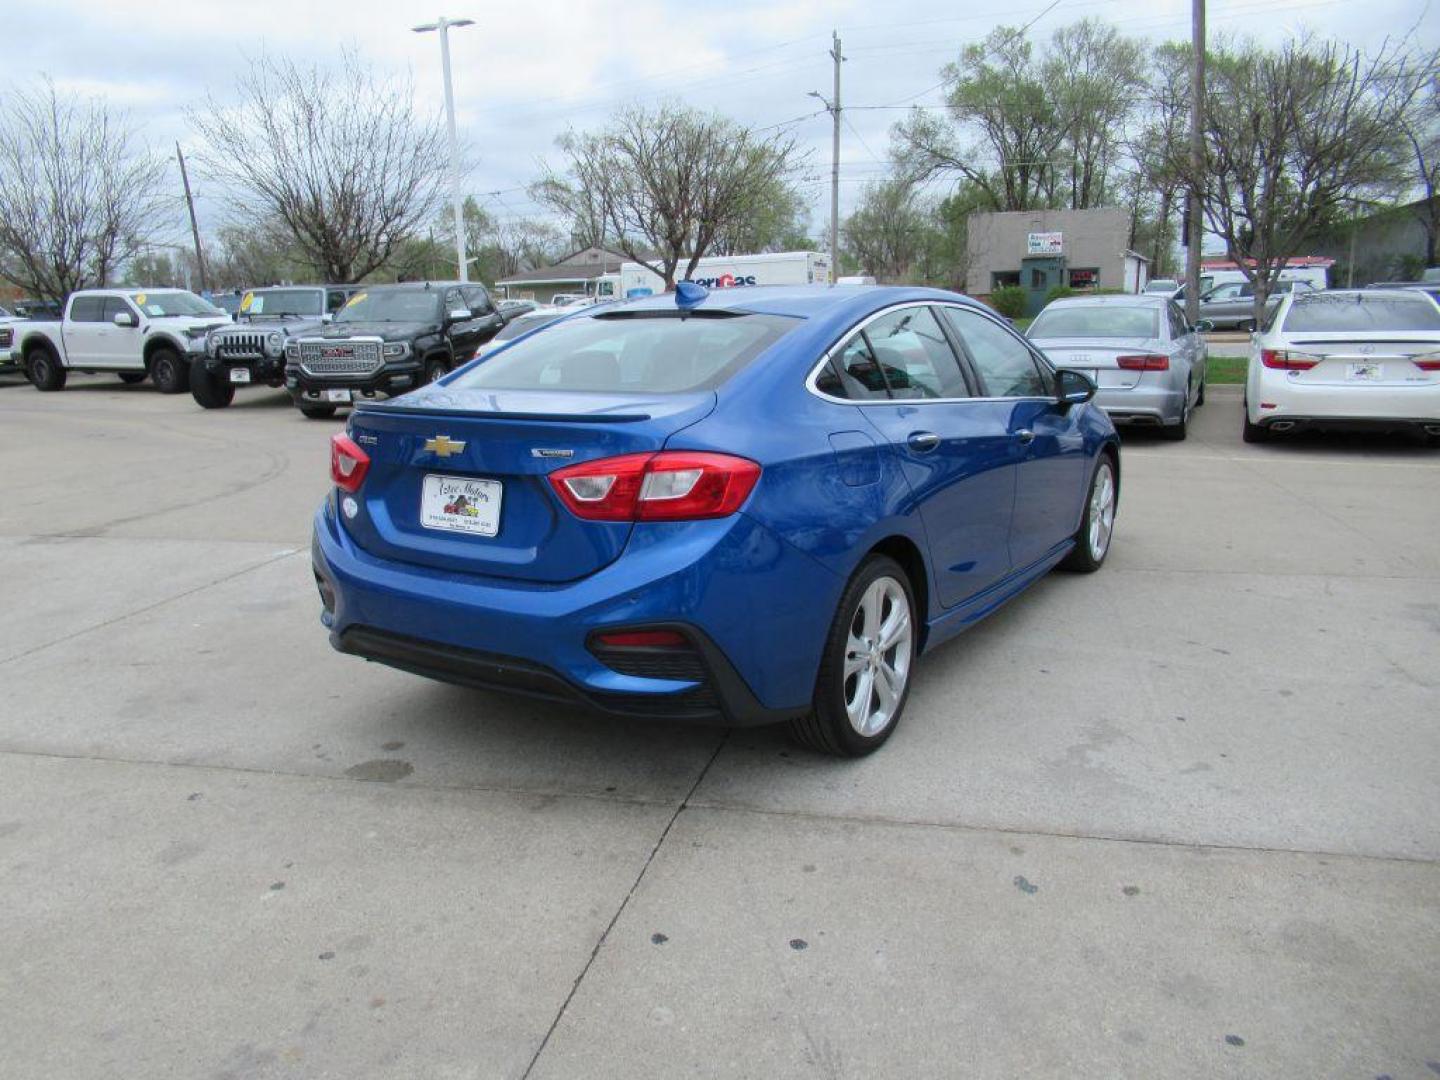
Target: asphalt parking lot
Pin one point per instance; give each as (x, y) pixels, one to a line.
(1178, 818)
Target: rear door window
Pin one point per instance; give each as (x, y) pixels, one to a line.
(1003, 361)
(857, 373)
(914, 356)
(643, 353)
(87, 309)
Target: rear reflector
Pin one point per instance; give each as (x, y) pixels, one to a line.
(673, 485)
(1144, 363)
(1427, 363)
(641, 639)
(1282, 360)
(348, 463)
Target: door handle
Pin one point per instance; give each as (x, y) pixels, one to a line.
(922, 442)
(1025, 435)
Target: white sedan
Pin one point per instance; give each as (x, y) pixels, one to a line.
(1352, 358)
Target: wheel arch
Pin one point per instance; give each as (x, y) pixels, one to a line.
(41, 342)
(158, 342)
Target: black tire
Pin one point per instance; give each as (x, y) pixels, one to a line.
(43, 369)
(208, 391)
(1253, 433)
(317, 412)
(827, 727)
(168, 371)
(1200, 398)
(1177, 432)
(130, 378)
(1087, 555)
(436, 367)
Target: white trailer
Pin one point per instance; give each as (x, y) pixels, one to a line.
(723, 272)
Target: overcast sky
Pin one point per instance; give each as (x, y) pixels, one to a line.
(527, 71)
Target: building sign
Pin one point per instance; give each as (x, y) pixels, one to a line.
(1044, 243)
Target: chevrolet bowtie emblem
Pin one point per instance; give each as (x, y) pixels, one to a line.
(443, 446)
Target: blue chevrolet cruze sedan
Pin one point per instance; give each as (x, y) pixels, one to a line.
(751, 506)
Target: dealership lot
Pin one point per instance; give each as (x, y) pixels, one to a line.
(1180, 817)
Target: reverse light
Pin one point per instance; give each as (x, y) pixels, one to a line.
(1147, 362)
(673, 485)
(1284, 360)
(348, 463)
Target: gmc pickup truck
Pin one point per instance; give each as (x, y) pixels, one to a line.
(135, 333)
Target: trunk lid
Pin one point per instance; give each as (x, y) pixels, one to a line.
(1368, 358)
(1096, 357)
(513, 438)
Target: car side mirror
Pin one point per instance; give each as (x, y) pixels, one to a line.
(1204, 326)
(329, 316)
(1073, 387)
(124, 318)
(460, 314)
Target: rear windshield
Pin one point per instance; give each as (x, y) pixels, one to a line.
(283, 302)
(1098, 321)
(644, 354)
(1339, 313)
(523, 324)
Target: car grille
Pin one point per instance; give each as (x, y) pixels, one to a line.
(6, 337)
(240, 346)
(340, 357)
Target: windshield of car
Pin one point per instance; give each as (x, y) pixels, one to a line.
(1357, 312)
(1097, 321)
(283, 302)
(643, 353)
(392, 305)
(523, 324)
(160, 305)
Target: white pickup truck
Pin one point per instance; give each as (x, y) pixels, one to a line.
(134, 333)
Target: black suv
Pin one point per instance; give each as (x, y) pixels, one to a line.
(386, 340)
(252, 350)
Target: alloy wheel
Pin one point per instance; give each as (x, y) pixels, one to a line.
(878, 651)
(1102, 510)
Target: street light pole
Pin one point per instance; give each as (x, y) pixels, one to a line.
(832, 106)
(443, 25)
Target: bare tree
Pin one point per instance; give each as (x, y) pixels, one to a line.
(77, 197)
(1422, 134)
(888, 234)
(1160, 148)
(1303, 132)
(671, 182)
(339, 156)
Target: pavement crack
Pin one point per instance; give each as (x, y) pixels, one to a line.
(605, 936)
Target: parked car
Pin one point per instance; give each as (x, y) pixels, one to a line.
(228, 302)
(1231, 306)
(38, 309)
(252, 352)
(562, 299)
(388, 339)
(134, 333)
(1148, 363)
(511, 308)
(1351, 358)
(761, 512)
(9, 364)
(1166, 287)
(523, 324)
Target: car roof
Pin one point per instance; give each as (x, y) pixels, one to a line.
(797, 301)
(1125, 299)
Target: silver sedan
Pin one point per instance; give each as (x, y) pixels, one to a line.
(1147, 361)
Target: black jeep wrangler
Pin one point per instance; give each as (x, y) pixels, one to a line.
(388, 339)
(252, 351)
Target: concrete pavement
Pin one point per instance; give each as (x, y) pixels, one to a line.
(1176, 818)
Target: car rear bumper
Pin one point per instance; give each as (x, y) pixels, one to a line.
(1142, 404)
(1277, 397)
(753, 608)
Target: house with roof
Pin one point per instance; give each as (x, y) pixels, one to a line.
(576, 273)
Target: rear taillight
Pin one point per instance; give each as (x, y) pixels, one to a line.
(674, 485)
(348, 463)
(1144, 363)
(1283, 360)
(1427, 363)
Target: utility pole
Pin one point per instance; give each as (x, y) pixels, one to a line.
(443, 25)
(832, 106)
(194, 226)
(1195, 226)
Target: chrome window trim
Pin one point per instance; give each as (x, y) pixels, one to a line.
(847, 334)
